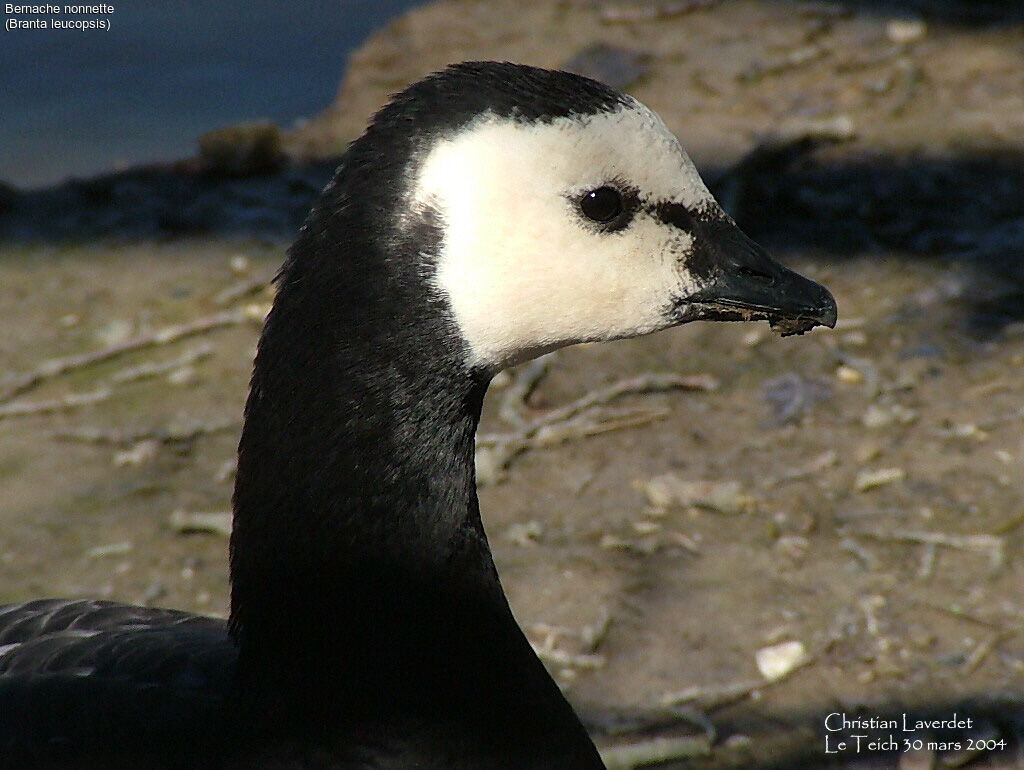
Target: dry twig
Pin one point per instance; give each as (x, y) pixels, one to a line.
(496, 450)
(183, 433)
(247, 287)
(187, 522)
(654, 751)
(149, 369)
(522, 386)
(70, 401)
(648, 11)
(55, 367)
(993, 545)
(644, 383)
(556, 657)
(714, 696)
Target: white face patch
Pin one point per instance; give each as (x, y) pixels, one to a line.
(523, 270)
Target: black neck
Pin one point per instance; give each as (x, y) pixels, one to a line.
(363, 588)
(355, 481)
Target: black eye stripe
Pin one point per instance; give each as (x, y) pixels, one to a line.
(675, 214)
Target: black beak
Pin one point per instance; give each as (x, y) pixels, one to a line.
(746, 284)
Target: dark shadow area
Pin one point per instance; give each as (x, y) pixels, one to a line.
(793, 197)
(971, 13)
(797, 197)
(164, 201)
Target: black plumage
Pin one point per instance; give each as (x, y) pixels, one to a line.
(368, 626)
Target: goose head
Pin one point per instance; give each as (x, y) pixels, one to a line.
(568, 212)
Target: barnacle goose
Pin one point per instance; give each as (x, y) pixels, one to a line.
(489, 213)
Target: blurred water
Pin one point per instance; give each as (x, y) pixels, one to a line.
(74, 103)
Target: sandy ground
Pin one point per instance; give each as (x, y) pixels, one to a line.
(865, 506)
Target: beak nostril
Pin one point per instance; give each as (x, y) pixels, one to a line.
(750, 272)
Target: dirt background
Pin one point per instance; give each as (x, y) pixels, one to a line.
(866, 482)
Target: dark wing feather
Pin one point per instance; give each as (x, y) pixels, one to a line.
(98, 684)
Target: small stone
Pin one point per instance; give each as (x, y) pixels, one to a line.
(867, 451)
(490, 467)
(239, 264)
(780, 660)
(186, 522)
(856, 339)
(227, 470)
(567, 675)
(791, 396)
(645, 527)
(867, 480)
(243, 149)
(110, 549)
(618, 67)
(720, 496)
(737, 741)
(905, 30)
(140, 453)
(754, 337)
(968, 430)
(610, 542)
(849, 375)
(501, 380)
(525, 533)
(69, 320)
(114, 332)
(256, 311)
(794, 547)
(875, 417)
(182, 376)
(903, 415)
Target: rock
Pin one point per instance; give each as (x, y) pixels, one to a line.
(525, 533)
(239, 264)
(780, 660)
(791, 396)
(618, 67)
(905, 30)
(139, 454)
(244, 149)
(867, 480)
(188, 522)
(720, 496)
(849, 375)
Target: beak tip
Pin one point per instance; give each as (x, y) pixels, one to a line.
(828, 313)
(823, 312)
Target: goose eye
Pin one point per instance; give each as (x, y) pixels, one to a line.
(602, 205)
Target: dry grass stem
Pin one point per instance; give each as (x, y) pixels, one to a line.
(980, 652)
(648, 11)
(556, 657)
(713, 696)
(993, 545)
(248, 287)
(188, 522)
(528, 377)
(654, 751)
(70, 401)
(644, 383)
(149, 369)
(172, 434)
(55, 367)
(495, 451)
